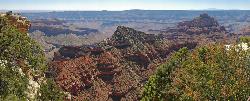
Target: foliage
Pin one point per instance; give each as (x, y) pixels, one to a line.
(245, 40)
(12, 83)
(207, 73)
(19, 47)
(17, 51)
(50, 92)
(21, 58)
(159, 83)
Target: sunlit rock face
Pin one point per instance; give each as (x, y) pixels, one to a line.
(202, 29)
(241, 46)
(204, 20)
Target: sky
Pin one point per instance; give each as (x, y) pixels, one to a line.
(117, 5)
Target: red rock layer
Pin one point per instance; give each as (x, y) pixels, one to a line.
(115, 69)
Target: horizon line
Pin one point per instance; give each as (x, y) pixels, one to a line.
(131, 10)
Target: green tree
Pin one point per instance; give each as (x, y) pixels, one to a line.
(207, 73)
(155, 88)
(21, 59)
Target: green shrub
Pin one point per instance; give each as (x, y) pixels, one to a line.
(245, 40)
(207, 73)
(21, 58)
(50, 92)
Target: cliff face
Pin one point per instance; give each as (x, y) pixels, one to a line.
(114, 69)
(203, 28)
(117, 68)
(204, 20)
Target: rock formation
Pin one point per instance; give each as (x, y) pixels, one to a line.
(202, 28)
(114, 69)
(16, 20)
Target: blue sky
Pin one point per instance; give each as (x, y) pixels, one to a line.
(122, 4)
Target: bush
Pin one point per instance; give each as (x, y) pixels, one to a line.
(208, 73)
(50, 92)
(245, 40)
(21, 59)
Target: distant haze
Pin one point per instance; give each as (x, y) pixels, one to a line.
(123, 4)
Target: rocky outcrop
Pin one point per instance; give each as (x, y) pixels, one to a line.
(202, 28)
(16, 20)
(77, 51)
(204, 20)
(114, 69)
